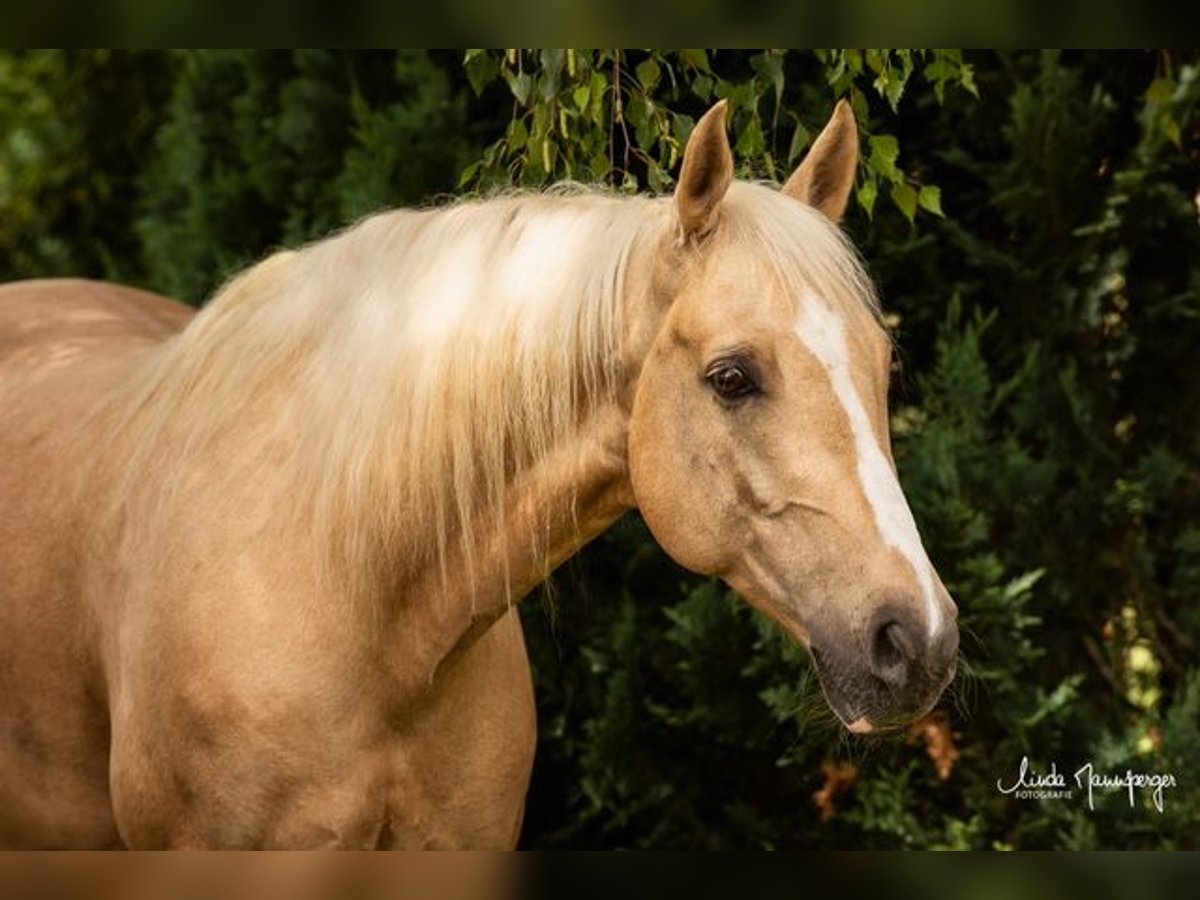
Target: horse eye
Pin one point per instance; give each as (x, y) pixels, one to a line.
(731, 381)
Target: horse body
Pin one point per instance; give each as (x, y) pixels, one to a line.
(258, 567)
(275, 723)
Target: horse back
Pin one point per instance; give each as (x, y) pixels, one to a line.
(64, 346)
(36, 316)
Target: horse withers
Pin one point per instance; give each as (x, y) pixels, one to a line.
(258, 565)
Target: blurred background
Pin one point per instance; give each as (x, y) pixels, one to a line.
(1033, 222)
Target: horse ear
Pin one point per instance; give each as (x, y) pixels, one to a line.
(826, 176)
(705, 175)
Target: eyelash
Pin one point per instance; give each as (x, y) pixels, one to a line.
(732, 379)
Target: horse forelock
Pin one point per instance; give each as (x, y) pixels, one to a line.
(807, 252)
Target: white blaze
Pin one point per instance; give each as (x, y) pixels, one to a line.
(824, 333)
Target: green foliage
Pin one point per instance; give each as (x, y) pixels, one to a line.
(260, 150)
(175, 170)
(74, 125)
(1041, 427)
(1031, 219)
(623, 117)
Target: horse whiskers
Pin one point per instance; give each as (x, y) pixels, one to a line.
(963, 688)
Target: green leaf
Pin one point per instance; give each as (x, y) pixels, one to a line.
(520, 85)
(867, 194)
(800, 141)
(837, 70)
(905, 199)
(938, 73)
(1023, 584)
(750, 142)
(637, 110)
(929, 198)
(769, 67)
(599, 85)
(894, 90)
(481, 70)
(858, 102)
(468, 174)
(885, 150)
(552, 62)
(681, 128)
(581, 95)
(599, 165)
(518, 135)
(697, 59)
(656, 178)
(966, 74)
(648, 74)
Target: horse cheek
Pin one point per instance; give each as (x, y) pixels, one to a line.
(674, 484)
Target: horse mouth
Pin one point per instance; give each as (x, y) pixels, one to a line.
(866, 708)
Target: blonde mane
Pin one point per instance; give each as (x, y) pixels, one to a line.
(408, 366)
(413, 364)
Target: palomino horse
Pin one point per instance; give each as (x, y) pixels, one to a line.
(258, 567)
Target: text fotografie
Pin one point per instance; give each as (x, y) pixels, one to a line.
(1052, 784)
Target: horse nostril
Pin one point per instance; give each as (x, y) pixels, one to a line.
(891, 653)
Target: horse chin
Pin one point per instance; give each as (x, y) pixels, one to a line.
(851, 715)
(865, 724)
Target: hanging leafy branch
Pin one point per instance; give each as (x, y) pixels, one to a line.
(622, 117)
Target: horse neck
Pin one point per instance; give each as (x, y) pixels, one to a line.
(550, 510)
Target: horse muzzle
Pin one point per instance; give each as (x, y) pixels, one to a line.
(894, 674)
